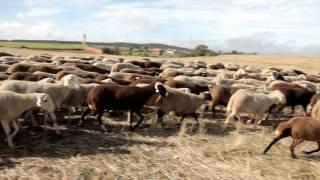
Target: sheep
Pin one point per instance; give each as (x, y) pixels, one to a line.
(315, 111)
(194, 88)
(80, 73)
(300, 129)
(3, 67)
(139, 72)
(169, 72)
(180, 102)
(14, 104)
(57, 92)
(103, 65)
(313, 78)
(281, 84)
(216, 66)
(306, 84)
(195, 80)
(140, 63)
(220, 95)
(295, 78)
(118, 66)
(315, 98)
(245, 101)
(146, 81)
(27, 76)
(88, 67)
(117, 97)
(296, 96)
(129, 76)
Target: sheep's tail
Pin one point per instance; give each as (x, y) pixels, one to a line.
(230, 104)
(282, 127)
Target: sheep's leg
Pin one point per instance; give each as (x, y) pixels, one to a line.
(131, 119)
(313, 151)
(230, 117)
(195, 117)
(276, 139)
(55, 124)
(139, 122)
(16, 129)
(182, 118)
(33, 121)
(6, 128)
(83, 115)
(305, 110)
(160, 115)
(292, 108)
(269, 111)
(99, 118)
(294, 143)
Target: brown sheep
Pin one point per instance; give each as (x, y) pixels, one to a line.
(315, 98)
(88, 67)
(3, 67)
(18, 68)
(153, 69)
(216, 66)
(27, 76)
(221, 95)
(300, 129)
(194, 88)
(117, 97)
(296, 96)
(315, 112)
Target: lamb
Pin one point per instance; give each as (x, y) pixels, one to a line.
(117, 97)
(216, 66)
(14, 104)
(245, 101)
(180, 102)
(300, 129)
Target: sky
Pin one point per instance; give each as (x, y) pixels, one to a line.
(263, 26)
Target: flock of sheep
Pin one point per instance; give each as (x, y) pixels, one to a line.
(47, 84)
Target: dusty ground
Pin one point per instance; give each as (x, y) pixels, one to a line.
(189, 151)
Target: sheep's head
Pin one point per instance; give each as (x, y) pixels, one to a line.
(159, 88)
(71, 80)
(278, 96)
(45, 102)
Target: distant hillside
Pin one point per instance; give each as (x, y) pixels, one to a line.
(119, 44)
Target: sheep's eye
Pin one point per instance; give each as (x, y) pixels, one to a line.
(45, 100)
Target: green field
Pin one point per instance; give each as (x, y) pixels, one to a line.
(36, 45)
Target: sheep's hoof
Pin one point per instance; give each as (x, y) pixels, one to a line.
(294, 157)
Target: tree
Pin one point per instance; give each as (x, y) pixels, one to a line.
(116, 50)
(201, 50)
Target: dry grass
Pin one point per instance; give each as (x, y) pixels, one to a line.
(207, 151)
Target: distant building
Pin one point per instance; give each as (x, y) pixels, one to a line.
(156, 52)
(171, 51)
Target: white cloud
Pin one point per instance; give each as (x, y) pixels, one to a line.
(39, 12)
(276, 26)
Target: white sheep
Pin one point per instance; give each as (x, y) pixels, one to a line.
(118, 66)
(245, 101)
(14, 104)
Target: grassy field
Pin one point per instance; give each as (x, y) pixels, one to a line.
(190, 151)
(41, 45)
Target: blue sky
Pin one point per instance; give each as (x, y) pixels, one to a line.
(263, 26)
